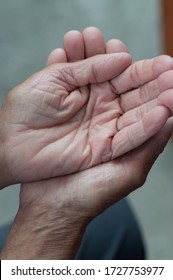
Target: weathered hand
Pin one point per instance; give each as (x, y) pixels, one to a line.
(48, 122)
(54, 213)
(70, 117)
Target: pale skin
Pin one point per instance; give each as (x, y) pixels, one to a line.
(53, 213)
(73, 116)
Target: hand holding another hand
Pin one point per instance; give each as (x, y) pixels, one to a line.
(54, 213)
(73, 116)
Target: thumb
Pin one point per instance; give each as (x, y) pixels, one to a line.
(97, 69)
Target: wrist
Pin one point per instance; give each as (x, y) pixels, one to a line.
(44, 233)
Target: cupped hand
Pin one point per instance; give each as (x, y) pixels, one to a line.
(49, 122)
(73, 116)
(53, 213)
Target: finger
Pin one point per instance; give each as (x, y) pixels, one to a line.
(94, 41)
(131, 170)
(138, 133)
(115, 45)
(78, 46)
(133, 116)
(166, 99)
(97, 188)
(105, 184)
(138, 163)
(147, 92)
(142, 72)
(57, 56)
(93, 70)
(74, 46)
(144, 157)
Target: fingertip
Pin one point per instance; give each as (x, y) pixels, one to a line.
(155, 119)
(124, 59)
(160, 64)
(94, 41)
(115, 45)
(119, 61)
(57, 56)
(72, 34)
(74, 45)
(166, 99)
(92, 29)
(167, 59)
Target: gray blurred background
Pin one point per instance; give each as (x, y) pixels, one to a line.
(30, 29)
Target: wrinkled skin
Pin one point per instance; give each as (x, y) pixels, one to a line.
(72, 116)
(67, 203)
(97, 188)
